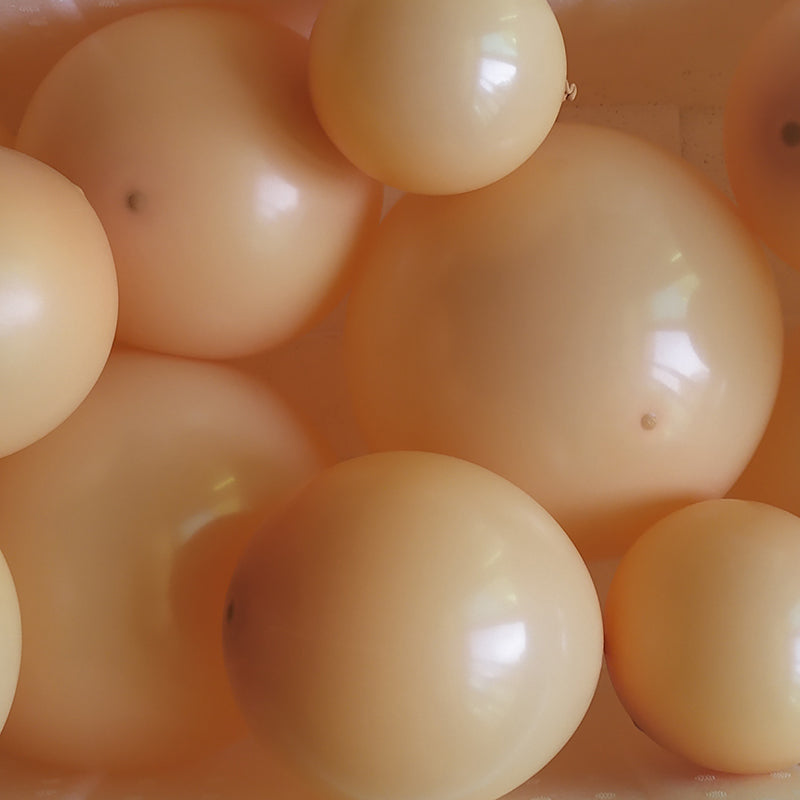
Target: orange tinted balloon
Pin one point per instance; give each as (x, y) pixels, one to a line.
(58, 299)
(437, 96)
(702, 635)
(232, 218)
(413, 626)
(122, 529)
(762, 133)
(599, 327)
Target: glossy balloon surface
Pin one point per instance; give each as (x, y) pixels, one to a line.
(413, 626)
(58, 299)
(208, 174)
(122, 529)
(762, 133)
(437, 96)
(599, 328)
(702, 635)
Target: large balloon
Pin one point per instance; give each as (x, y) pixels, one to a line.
(762, 133)
(413, 627)
(122, 529)
(702, 635)
(232, 218)
(599, 327)
(58, 299)
(437, 96)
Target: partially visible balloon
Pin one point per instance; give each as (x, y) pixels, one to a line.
(437, 96)
(702, 635)
(762, 133)
(773, 474)
(599, 327)
(10, 640)
(413, 627)
(122, 529)
(232, 218)
(58, 299)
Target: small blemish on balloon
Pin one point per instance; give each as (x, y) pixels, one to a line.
(135, 201)
(229, 612)
(649, 421)
(790, 133)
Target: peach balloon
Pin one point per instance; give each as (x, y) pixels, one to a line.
(762, 133)
(58, 299)
(232, 218)
(413, 626)
(702, 635)
(599, 328)
(437, 96)
(122, 529)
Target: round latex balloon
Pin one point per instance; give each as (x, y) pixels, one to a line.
(437, 96)
(122, 529)
(599, 327)
(208, 169)
(702, 635)
(773, 474)
(10, 640)
(58, 299)
(414, 627)
(762, 133)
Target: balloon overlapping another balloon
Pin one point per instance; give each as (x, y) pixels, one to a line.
(599, 327)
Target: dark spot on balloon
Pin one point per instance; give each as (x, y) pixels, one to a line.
(135, 201)
(790, 133)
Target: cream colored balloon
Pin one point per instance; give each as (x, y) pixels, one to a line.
(437, 96)
(122, 529)
(232, 218)
(702, 635)
(10, 640)
(58, 299)
(762, 132)
(599, 327)
(413, 626)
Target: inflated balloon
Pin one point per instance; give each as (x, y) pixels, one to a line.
(702, 635)
(599, 327)
(437, 96)
(10, 640)
(58, 299)
(413, 626)
(762, 133)
(122, 529)
(208, 169)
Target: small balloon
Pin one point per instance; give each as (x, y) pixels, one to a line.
(702, 635)
(437, 96)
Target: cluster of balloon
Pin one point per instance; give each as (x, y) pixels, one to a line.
(564, 337)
